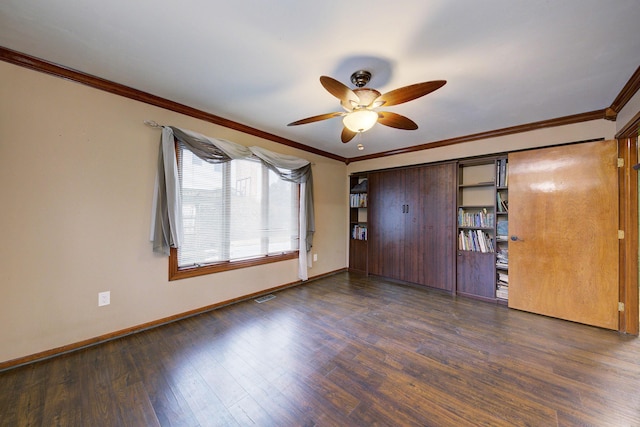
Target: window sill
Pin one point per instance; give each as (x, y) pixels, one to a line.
(176, 273)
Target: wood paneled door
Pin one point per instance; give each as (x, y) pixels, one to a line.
(412, 230)
(563, 226)
(386, 223)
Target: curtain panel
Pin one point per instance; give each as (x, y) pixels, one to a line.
(166, 224)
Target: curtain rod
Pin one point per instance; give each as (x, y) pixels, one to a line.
(152, 123)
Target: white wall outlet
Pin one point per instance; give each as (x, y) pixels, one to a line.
(104, 298)
(315, 257)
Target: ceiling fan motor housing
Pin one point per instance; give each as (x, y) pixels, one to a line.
(360, 78)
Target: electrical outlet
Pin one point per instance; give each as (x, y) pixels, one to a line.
(315, 257)
(104, 298)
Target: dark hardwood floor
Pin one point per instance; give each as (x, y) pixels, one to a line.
(340, 351)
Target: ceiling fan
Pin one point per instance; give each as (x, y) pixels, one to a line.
(360, 104)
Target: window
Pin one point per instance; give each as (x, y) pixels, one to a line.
(235, 214)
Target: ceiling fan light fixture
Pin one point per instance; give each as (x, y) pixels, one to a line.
(360, 120)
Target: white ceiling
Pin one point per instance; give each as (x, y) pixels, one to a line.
(257, 62)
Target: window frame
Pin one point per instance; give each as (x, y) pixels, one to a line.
(177, 273)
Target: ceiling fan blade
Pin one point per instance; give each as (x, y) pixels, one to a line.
(315, 119)
(337, 89)
(408, 93)
(396, 121)
(347, 135)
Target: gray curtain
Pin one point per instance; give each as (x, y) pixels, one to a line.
(166, 227)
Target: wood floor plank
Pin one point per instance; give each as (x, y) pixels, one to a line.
(28, 409)
(345, 350)
(134, 406)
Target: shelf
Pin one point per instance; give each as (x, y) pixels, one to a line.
(471, 227)
(358, 227)
(482, 186)
(478, 184)
(476, 207)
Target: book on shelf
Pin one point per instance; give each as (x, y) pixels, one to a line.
(475, 241)
(479, 217)
(501, 171)
(502, 229)
(502, 203)
(503, 277)
(359, 232)
(358, 200)
(506, 173)
(502, 258)
(502, 292)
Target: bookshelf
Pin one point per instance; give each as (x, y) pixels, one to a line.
(358, 226)
(502, 229)
(477, 216)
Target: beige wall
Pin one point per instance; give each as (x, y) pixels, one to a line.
(77, 168)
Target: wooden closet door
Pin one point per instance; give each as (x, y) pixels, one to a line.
(430, 227)
(414, 225)
(386, 223)
(563, 215)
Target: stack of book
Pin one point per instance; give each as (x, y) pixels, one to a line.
(502, 259)
(502, 290)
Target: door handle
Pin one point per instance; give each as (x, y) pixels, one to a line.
(516, 239)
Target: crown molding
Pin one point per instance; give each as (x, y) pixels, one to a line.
(23, 60)
(560, 121)
(56, 70)
(627, 92)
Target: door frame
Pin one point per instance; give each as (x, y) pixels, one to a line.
(627, 140)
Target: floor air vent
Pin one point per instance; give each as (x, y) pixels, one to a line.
(265, 298)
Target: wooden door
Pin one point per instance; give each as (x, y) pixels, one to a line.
(563, 222)
(386, 223)
(434, 239)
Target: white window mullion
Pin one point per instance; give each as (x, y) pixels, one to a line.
(226, 218)
(264, 215)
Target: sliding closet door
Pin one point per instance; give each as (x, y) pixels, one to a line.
(563, 227)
